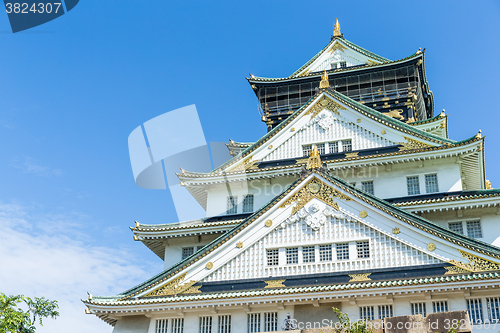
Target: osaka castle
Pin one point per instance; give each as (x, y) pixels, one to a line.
(355, 198)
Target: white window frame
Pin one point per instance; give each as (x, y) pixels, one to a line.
(493, 313)
(387, 309)
(363, 250)
(292, 255)
(161, 325)
(457, 223)
(363, 312)
(408, 184)
(224, 323)
(476, 315)
(480, 228)
(311, 255)
(437, 182)
(207, 327)
(230, 210)
(254, 322)
(438, 302)
(363, 188)
(324, 256)
(419, 307)
(247, 207)
(275, 257)
(464, 226)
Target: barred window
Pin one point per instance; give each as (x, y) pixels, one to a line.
(363, 249)
(347, 145)
(325, 253)
(418, 308)
(253, 322)
(321, 148)
(475, 308)
(474, 229)
(292, 255)
(270, 321)
(342, 251)
(206, 324)
(225, 324)
(306, 150)
(248, 203)
(413, 185)
(308, 254)
(368, 187)
(232, 208)
(493, 309)
(178, 325)
(333, 147)
(431, 183)
(187, 251)
(440, 306)
(272, 257)
(384, 311)
(456, 227)
(366, 313)
(161, 325)
(343, 64)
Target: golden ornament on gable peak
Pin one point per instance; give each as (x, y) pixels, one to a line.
(336, 29)
(314, 160)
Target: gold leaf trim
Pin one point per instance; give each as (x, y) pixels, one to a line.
(475, 264)
(337, 46)
(351, 155)
(173, 287)
(324, 103)
(274, 284)
(192, 290)
(310, 191)
(412, 144)
(455, 270)
(360, 277)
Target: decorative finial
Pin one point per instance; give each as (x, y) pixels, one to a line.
(442, 114)
(488, 184)
(478, 135)
(137, 224)
(252, 76)
(183, 172)
(419, 50)
(336, 29)
(90, 296)
(314, 160)
(324, 81)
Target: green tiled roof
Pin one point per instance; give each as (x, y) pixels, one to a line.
(298, 290)
(349, 44)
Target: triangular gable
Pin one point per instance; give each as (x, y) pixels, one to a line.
(339, 51)
(418, 233)
(383, 129)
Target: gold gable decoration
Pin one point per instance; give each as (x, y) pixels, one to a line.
(248, 163)
(475, 264)
(314, 189)
(173, 287)
(324, 103)
(274, 284)
(360, 277)
(324, 83)
(314, 160)
(412, 144)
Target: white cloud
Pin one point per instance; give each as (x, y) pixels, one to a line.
(50, 262)
(30, 165)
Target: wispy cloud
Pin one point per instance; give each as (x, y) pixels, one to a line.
(31, 165)
(35, 261)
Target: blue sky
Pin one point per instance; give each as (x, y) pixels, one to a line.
(73, 89)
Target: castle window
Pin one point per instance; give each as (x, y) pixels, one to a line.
(248, 203)
(368, 187)
(232, 207)
(187, 251)
(366, 313)
(292, 255)
(475, 308)
(342, 251)
(493, 309)
(440, 306)
(363, 249)
(418, 308)
(384, 311)
(161, 325)
(333, 147)
(308, 254)
(325, 253)
(178, 325)
(456, 227)
(306, 150)
(253, 322)
(413, 185)
(474, 229)
(347, 145)
(272, 257)
(321, 148)
(343, 64)
(431, 183)
(270, 321)
(225, 324)
(206, 324)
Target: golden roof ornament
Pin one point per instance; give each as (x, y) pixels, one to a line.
(442, 114)
(419, 50)
(324, 81)
(478, 135)
(336, 29)
(314, 160)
